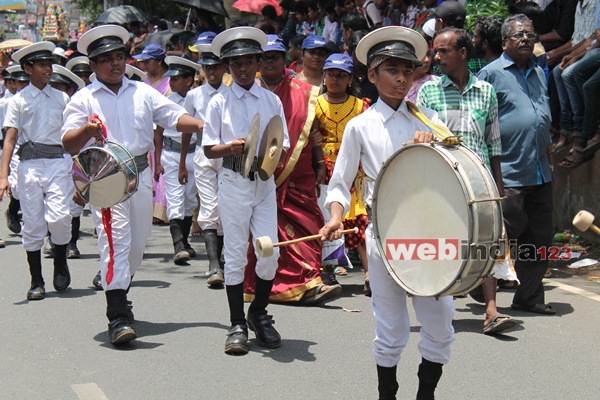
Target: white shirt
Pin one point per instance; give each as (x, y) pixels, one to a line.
(370, 139)
(229, 114)
(171, 132)
(37, 114)
(330, 30)
(371, 13)
(197, 100)
(128, 115)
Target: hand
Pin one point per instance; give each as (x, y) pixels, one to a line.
(316, 138)
(78, 199)
(158, 171)
(94, 129)
(422, 137)
(183, 176)
(566, 61)
(320, 172)
(332, 230)
(4, 188)
(237, 147)
(553, 58)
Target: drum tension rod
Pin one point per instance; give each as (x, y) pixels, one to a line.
(486, 200)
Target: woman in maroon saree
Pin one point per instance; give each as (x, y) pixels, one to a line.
(298, 275)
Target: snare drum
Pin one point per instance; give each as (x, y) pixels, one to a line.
(437, 219)
(105, 174)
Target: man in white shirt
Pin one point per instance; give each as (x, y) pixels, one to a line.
(127, 110)
(33, 120)
(245, 204)
(391, 55)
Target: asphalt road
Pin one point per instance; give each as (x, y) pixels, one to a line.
(58, 348)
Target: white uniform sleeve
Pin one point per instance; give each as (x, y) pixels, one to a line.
(165, 112)
(346, 167)
(211, 135)
(13, 114)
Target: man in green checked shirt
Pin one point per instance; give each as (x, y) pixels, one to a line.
(468, 106)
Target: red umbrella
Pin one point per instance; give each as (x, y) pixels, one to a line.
(254, 6)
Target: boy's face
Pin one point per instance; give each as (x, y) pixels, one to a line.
(350, 6)
(180, 83)
(393, 79)
(10, 85)
(109, 67)
(20, 85)
(243, 69)
(63, 87)
(214, 73)
(39, 71)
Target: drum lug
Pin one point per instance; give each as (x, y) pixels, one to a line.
(471, 202)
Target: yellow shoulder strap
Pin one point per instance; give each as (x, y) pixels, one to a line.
(440, 131)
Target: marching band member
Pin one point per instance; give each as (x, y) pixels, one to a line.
(127, 110)
(80, 66)
(206, 170)
(33, 120)
(181, 198)
(391, 54)
(245, 204)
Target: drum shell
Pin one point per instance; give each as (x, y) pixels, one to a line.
(105, 174)
(469, 185)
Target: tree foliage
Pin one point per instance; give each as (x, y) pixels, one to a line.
(484, 8)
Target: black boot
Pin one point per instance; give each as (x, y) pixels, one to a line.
(258, 319)
(72, 250)
(37, 290)
(181, 256)
(220, 251)
(97, 281)
(185, 230)
(12, 215)
(118, 312)
(429, 376)
(387, 382)
(237, 336)
(215, 275)
(62, 277)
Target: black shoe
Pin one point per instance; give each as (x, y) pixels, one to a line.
(62, 279)
(36, 292)
(97, 281)
(120, 332)
(12, 222)
(266, 335)
(73, 251)
(130, 316)
(237, 341)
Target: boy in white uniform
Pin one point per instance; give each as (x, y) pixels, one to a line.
(128, 111)
(391, 55)
(181, 198)
(33, 120)
(206, 170)
(245, 204)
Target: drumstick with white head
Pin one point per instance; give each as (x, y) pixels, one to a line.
(264, 246)
(584, 220)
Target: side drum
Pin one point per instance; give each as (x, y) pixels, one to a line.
(105, 174)
(437, 219)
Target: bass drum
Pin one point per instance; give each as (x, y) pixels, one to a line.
(437, 219)
(105, 174)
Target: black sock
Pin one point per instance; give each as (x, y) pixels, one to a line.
(235, 298)
(387, 382)
(429, 376)
(262, 291)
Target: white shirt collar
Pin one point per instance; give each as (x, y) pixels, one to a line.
(386, 112)
(239, 91)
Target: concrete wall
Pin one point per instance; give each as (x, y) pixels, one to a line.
(576, 189)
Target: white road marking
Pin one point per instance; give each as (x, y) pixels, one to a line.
(88, 391)
(573, 289)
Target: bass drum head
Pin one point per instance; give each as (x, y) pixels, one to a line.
(421, 219)
(99, 177)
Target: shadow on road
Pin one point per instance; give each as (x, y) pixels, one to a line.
(67, 294)
(291, 350)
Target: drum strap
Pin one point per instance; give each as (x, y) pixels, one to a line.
(440, 131)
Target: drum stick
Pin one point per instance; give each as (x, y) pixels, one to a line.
(311, 237)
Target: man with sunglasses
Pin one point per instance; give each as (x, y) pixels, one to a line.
(524, 117)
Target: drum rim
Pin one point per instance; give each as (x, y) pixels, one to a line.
(461, 179)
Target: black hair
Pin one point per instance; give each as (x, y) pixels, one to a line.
(301, 8)
(289, 5)
(297, 40)
(237, 23)
(354, 21)
(312, 5)
(532, 10)
(162, 25)
(489, 29)
(269, 11)
(329, 6)
(462, 38)
(506, 25)
(266, 27)
(354, 39)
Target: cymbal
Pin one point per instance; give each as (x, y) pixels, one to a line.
(250, 145)
(271, 146)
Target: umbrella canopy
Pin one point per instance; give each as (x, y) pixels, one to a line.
(12, 43)
(254, 6)
(121, 15)
(214, 6)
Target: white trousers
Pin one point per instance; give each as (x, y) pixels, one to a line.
(392, 320)
(131, 226)
(45, 189)
(206, 174)
(181, 199)
(13, 177)
(247, 207)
